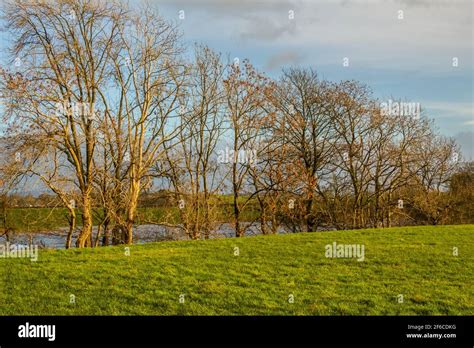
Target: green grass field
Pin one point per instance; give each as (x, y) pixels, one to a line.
(416, 262)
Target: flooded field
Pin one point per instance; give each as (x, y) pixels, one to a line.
(142, 234)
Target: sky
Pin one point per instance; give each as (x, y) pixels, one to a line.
(403, 49)
(406, 55)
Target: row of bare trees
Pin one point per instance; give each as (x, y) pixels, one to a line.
(90, 102)
(101, 105)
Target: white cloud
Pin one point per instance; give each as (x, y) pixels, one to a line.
(368, 31)
(455, 108)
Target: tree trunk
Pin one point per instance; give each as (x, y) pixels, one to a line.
(105, 238)
(207, 219)
(97, 237)
(235, 186)
(72, 226)
(238, 230)
(84, 238)
(263, 222)
(309, 214)
(131, 211)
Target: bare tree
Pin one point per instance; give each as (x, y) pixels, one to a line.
(63, 48)
(245, 93)
(149, 77)
(437, 159)
(306, 127)
(193, 166)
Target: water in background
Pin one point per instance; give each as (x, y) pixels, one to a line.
(142, 234)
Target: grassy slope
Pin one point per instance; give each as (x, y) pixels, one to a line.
(414, 261)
